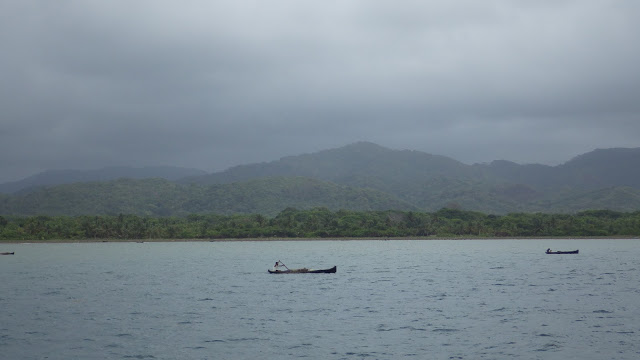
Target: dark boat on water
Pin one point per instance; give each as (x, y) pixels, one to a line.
(7, 253)
(304, 271)
(562, 252)
(286, 270)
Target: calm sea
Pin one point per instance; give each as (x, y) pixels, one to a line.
(420, 299)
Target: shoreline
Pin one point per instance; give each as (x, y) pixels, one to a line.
(92, 241)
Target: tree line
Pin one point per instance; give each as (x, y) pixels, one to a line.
(323, 223)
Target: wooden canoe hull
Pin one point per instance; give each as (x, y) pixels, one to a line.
(304, 271)
(563, 252)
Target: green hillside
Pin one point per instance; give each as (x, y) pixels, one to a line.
(360, 164)
(432, 182)
(158, 197)
(59, 177)
(361, 176)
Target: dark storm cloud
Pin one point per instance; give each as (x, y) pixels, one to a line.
(87, 84)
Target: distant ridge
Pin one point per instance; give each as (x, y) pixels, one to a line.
(58, 177)
(348, 164)
(431, 182)
(603, 168)
(357, 176)
(159, 197)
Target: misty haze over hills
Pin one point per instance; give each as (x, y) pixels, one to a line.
(602, 167)
(374, 177)
(58, 177)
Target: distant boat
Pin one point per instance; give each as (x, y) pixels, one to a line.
(562, 252)
(7, 253)
(279, 264)
(304, 271)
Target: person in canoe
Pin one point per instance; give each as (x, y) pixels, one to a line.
(548, 250)
(278, 265)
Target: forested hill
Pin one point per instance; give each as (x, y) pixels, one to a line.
(597, 169)
(368, 164)
(58, 177)
(159, 197)
(357, 164)
(361, 176)
(430, 182)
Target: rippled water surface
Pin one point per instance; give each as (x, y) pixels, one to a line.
(449, 299)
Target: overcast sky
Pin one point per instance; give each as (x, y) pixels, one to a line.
(212, 84)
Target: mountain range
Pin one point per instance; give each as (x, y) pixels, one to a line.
(360, 176)
(58, 177)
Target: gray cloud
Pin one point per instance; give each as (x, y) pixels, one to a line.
(86, 84)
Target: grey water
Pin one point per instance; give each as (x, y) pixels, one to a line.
(414, 299)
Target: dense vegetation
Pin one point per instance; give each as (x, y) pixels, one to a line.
(358, 177)
(163, 198)
(601, 179)
(59, 177)
(322, 223)
(270, 196)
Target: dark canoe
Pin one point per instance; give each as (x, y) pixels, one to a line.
(304, 271)
(562, 252)
(7, 253)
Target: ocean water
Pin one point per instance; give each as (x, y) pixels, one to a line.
(414, 299)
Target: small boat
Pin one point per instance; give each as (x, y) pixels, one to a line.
(303, 271)
(7, 253)
(280, 264)
(562, 252)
